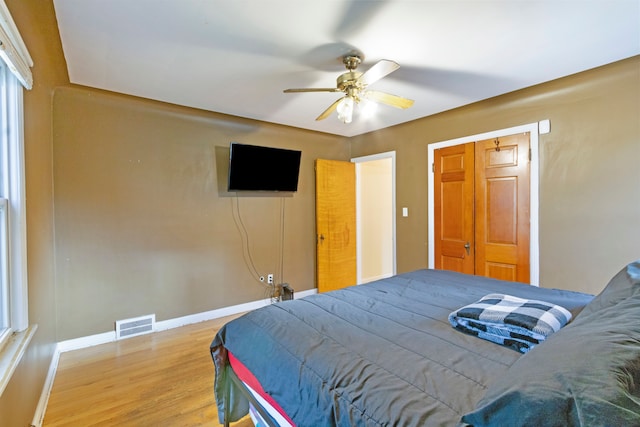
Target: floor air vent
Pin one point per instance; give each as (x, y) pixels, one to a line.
(136, 326)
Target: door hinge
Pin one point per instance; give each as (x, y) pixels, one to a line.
(529, 154)
(433, 167)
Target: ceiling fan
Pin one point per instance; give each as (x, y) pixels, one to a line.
(354, 85)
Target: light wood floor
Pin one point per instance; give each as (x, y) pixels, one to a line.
(159, 379)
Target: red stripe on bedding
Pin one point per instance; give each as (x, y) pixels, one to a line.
(248, 378)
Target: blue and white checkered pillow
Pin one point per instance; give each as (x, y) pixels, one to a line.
(509, 320)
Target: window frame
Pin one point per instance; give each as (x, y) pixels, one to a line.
(15, 332)
(5, 294)
(15, 73)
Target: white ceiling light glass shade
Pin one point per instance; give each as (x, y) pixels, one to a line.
(367, 109)
(345, 109)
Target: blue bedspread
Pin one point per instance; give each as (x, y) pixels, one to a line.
(511, 321)
(378, 354)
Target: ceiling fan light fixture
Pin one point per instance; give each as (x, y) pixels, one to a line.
(345, 109)
(354, 85)
(367, 108)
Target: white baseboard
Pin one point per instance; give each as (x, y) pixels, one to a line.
(163, 325)
(88, 341)
(106, 337)
(38, 416)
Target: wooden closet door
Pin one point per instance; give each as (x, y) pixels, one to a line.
(502, 208)
(454, 208)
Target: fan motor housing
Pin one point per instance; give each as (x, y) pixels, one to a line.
(349, 80)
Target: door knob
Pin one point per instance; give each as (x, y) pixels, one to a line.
(467, 246)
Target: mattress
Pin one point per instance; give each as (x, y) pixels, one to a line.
(382, 353)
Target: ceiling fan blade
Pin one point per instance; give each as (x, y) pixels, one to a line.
(356, 17)
(378, 71)
(326, 113)
(310, 89)
(387, 98)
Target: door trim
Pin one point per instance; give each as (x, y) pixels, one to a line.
(372, 157)
(534, 178)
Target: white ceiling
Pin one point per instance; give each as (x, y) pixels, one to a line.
(237, 56)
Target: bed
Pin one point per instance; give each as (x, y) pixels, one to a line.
(385, 353)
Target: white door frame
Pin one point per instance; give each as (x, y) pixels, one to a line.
(356, 160)
(534, 248)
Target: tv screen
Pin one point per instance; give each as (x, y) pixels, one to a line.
(255, 168)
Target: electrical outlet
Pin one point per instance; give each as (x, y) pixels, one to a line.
(270, 279)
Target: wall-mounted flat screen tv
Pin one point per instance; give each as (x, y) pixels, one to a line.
(256, 168)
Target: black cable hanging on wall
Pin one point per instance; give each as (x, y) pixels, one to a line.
(273, 291)
(244, 235)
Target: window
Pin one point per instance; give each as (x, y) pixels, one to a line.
(5, 306)
(15, 73)
(12, 319)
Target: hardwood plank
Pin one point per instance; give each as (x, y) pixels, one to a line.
(160, 379)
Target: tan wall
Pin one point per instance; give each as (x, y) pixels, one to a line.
(38, 27)
(143, 220)
(589, 174)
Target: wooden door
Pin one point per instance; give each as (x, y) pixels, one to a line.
(335, 225)
(481, 208)
(502, 208)
(454, 214)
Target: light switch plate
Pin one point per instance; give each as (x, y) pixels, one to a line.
(544, 126)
